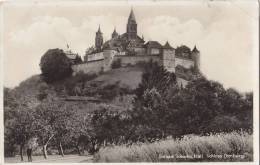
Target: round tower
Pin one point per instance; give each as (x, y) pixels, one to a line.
(195, 55)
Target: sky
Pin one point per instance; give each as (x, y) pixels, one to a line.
(224, 32)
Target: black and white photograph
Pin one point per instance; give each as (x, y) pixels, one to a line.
(130, 81)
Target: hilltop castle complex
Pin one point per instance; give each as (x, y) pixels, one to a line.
(130, 49)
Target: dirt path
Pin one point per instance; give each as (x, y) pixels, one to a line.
(53, 159)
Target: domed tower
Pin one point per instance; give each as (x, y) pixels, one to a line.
(195, 55)
(99, 39)
(131, 28)
(114, 34)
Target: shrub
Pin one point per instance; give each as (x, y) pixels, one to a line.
(116, 64)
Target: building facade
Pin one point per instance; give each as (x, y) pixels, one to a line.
(130, 48)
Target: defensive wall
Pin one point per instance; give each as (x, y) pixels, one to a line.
(187, 63)
(128, 59)
(99, 65)
(89, 67)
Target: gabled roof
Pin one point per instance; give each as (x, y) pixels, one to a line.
(167, 46)
(153, 44)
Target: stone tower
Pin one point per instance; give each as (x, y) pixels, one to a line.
(114, 34)
(99, 39)
(195, 54)
(168, 57)
(131, 28)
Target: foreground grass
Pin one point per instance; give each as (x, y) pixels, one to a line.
(234, 146)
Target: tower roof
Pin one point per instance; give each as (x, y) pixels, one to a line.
(167, 46)
(131, 17)
(195, 49)
(99, 31)
(114, 32)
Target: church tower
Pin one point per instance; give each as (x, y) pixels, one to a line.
(99, 39)
(131, 28)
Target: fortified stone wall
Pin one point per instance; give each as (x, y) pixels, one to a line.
(89, 67)
(184, 62)
(95, 56)
(125, 60)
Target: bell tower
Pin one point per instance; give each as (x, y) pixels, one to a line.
(131, 28)
(99, 39)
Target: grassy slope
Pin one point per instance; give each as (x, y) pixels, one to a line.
(237, 143)
(128, 76)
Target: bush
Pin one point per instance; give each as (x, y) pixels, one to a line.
(55, 65)
(116, 64)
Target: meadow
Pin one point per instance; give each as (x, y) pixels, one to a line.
(234, 146)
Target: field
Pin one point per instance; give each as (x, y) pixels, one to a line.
(235, 146)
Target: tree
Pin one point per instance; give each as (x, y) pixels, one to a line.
(155, 76)
(20, 128)
(150, 104)
(55, 65)
(200, 103)
(18, 122)
(51, 118)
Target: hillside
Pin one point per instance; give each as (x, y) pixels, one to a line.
(113, 88)
(29, 91)
(127, 76)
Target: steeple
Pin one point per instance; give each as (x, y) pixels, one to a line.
(99, 39)
(99, 31)
(131, 17)
(131, 28)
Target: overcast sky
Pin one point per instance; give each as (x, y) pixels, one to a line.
(224, 32)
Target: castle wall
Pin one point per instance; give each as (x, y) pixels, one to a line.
(89, 67)
(95, 56)
(187, 63)
(125, 60)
